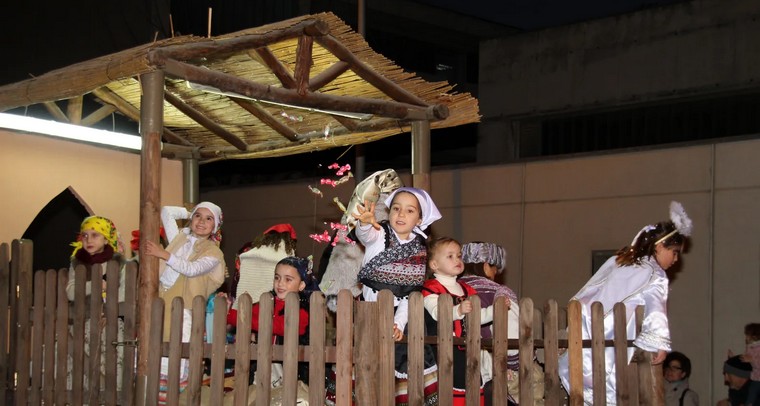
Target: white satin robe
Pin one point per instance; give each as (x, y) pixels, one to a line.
(645, 284)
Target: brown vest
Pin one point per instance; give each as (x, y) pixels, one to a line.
(188, 288)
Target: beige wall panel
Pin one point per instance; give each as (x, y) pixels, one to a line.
(660, 172)
(37, 168)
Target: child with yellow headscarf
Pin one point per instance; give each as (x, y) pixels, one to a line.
(98, 243)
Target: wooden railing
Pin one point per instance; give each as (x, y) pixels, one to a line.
(40, 319)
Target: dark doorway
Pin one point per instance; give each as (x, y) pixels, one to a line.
(55, 227)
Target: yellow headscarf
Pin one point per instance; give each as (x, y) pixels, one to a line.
(101, 225)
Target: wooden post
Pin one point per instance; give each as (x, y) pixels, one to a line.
(190, 181)
(151, 125)
(421, 154)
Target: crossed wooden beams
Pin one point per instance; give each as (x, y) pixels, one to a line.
(297, 88)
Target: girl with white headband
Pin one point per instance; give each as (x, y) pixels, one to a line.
(634, 276)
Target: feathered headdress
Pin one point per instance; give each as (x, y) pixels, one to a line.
(680, 219)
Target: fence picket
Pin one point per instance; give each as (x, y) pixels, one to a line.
(5, 288)
(48, 375)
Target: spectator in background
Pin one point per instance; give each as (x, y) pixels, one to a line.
(677, 369)
(736, 374)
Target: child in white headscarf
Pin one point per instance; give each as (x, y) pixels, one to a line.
(191, 265)
(395, 258)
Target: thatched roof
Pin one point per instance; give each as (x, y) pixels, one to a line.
(315, 62)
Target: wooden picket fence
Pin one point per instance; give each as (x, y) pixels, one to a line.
(32, 372)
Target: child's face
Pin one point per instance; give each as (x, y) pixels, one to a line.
(286, 280)
(404, 214)
(202, 223)
(93, 242)
(667, 256)
(490, 271)
(447, 260)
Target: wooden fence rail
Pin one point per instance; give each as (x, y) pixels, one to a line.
(40, 321)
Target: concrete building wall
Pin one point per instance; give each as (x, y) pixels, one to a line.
(551, 216)
(36, 169)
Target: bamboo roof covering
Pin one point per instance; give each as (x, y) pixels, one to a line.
(305, 84)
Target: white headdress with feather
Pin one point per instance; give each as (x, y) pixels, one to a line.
(681, 220)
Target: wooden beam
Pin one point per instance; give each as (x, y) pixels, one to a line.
(74, 109)
(206, 122)
(327, 75)
(393, 90)
(364, 127)
(97, 115)
(231, 83)
(303, 63)
(132, 112)
(268, 119)
(215, 48)
(277, 67)
(346, 122)
(56, 112)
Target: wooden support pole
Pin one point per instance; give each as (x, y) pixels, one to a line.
(74, 109)
(151, 123)
(206, 122)
(231, 83)
(277, 67)
(97, 115)
(327, 75)
(421, 154)
(190, 185)
(268, 119)
(303, 63)
(56, 112)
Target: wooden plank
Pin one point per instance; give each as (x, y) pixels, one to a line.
(290, 349)
(526, 351)
(111, 332)
(575, 353)
(499, 353)
(264, 350)
(552, 386)
(599, 372)
(55, 111)
(5, 288)
(23, 255)
(316, 350)
(242, 349)
(472, 320)
(153, 367)
(96, 314)
(38, 334)
(621, 354)
(219, 342)
(415, 342)
(48, 374)
(175, 340)
(130, 332)
(78, 360)
(386, 350)
(195, 359)
(366, 352)
(62, 333)
(343, 351)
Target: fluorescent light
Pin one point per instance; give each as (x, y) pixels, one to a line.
(214, 90)
(70, 131)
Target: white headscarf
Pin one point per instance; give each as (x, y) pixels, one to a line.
(430, 213)
(214, 209)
